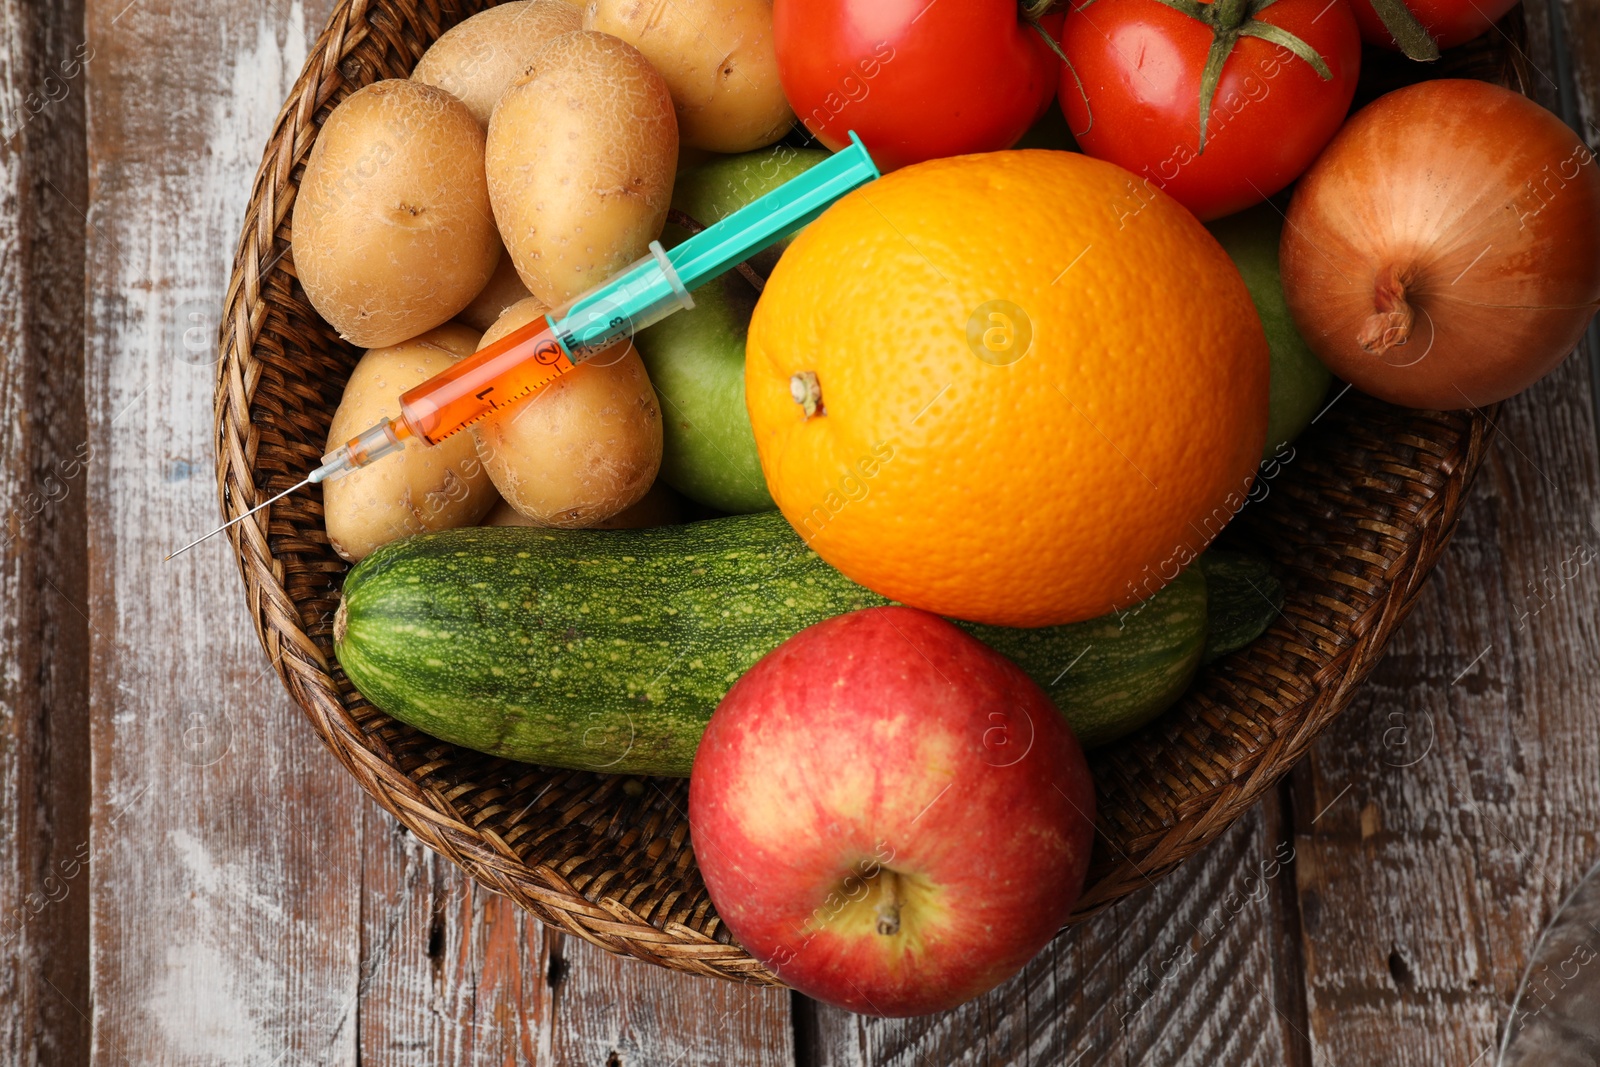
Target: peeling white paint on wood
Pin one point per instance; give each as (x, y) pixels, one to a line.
(225, 893)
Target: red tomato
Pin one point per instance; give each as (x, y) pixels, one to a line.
(1450, 22)
(915, 79)
(1140, 62)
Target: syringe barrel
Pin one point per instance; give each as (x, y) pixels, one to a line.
(631, 300)
(531, 357)
(518, 365)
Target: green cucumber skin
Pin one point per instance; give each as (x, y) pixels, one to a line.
(1246, 598)
(614, 647)
(1111, 675)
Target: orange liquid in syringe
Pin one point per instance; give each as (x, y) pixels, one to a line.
(519, 364)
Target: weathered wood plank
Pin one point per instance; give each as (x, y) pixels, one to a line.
(612, 1012)
(452, 974)
(1461, 793)
(1462, 790)
(455, 975)
(44, 633)
(1566, 41)
(225, 841)
(1189, 971)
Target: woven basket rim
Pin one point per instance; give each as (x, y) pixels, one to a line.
(422, 804)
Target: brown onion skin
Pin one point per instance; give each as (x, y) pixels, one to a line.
(1483, 207)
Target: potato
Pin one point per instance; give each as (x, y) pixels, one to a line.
(582, 449)
(658, 507)
(503, 290)
(421, 487)
(719, 62)
(393, 233)
(581, 155)
(478, 60)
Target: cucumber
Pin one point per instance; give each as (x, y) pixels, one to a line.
(608, 650)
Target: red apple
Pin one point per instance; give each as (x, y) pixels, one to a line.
(890, 814)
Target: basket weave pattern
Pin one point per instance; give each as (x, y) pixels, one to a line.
(1353, 523)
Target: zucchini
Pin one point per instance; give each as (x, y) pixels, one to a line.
(608, 650)
(1245, 597)
(1111, 675)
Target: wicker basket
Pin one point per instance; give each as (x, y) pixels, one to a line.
(1353, 524)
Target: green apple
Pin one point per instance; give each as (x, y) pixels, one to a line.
(696, 362)
(696, 357)
(1299, 380)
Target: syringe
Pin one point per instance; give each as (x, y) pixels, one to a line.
(521, 363)
(530, 358)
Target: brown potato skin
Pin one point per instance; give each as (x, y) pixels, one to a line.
(479, 59)
(580, 160)
(581, 450)
(392, 230)
(503, 290)
(420, 488)
(719, 62)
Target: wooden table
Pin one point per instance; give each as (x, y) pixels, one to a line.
(187, 877)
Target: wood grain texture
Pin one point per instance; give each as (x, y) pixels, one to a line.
(452, 974)
(615, 1012)
(225, 846)
(1459, 798)
(455, 975)
(44, 633)
(1568, 34)
(1188, 971)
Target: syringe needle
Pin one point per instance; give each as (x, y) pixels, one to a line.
(240, 518)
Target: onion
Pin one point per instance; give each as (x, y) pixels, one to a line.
(1444, 250)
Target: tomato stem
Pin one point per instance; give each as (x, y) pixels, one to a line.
(1230, 20)
(1055, 46)
(1221, 47)
(1413, 39)
(1228, 14)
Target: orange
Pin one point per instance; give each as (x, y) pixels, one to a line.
(1040, 387)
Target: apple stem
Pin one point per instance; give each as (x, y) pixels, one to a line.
(888, 903)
